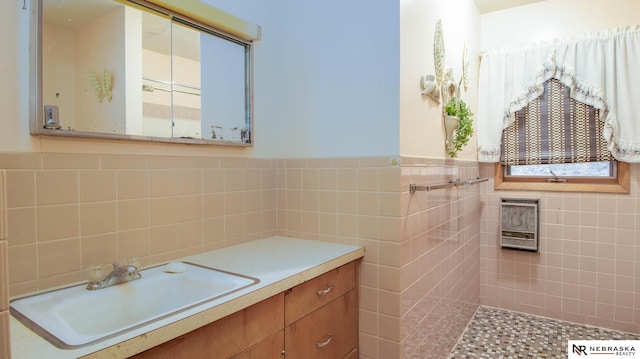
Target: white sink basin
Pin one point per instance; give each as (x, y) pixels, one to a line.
(74, 317)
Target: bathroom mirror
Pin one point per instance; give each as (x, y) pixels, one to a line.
(136, 70)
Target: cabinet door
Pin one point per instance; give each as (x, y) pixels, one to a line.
(227, 336)
(313, 294)
(329, 332)
(270, 348)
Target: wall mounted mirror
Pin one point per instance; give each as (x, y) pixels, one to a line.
(138, 71)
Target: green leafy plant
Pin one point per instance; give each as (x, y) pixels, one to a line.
(458, 108)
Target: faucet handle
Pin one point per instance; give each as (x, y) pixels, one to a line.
(95, 272)
(133, 261)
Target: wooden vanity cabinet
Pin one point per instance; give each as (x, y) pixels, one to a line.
(321, 316)
(329, 332)
(252, 333)
(316, 319)
(269, 348)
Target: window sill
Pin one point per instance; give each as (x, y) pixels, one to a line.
(619, 185)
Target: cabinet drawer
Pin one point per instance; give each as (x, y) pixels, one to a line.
(309, 296)
(227, 336)
(329, 332)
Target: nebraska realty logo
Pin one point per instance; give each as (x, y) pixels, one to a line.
(602, 349)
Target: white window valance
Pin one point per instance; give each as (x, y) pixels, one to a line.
(602, 70)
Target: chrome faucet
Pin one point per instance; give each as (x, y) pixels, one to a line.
(119, 274)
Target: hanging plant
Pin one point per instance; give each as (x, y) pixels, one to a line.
(458, 108)
(457, 117)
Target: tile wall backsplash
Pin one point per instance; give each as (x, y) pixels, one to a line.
(4, 251)
(5, 347)
(3, 205)
(420, 275)
(441, 257)
(70, 211)
(587, 268)
(4, 275)
(431, 257)
(353, 201)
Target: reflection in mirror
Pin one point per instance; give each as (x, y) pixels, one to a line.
(116, 70)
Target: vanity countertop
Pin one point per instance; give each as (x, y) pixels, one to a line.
(279, 262)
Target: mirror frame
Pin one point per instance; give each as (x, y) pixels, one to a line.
(36, 105)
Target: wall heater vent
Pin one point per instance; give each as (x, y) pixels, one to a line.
(519, 223)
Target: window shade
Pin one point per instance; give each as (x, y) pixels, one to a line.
(554, 128)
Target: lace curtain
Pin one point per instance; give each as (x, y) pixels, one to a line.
(601, 70)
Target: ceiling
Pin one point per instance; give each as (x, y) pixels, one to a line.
(486, 6)
(75, 13)
(157, 31)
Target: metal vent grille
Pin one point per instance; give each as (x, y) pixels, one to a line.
(519, 223)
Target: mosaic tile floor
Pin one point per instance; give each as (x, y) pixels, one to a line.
(496, 333)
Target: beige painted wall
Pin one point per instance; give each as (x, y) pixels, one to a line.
(555, 19)
(421, 124)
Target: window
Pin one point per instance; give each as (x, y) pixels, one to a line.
(556, 144)
(565, 170)
(537, 180)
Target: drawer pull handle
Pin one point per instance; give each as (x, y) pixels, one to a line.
(326, 342)
(325, 291)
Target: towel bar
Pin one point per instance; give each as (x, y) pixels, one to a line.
(452, 183)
